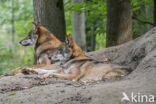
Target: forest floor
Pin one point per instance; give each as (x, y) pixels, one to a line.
(138, 54)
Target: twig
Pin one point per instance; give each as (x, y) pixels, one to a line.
(142, 21)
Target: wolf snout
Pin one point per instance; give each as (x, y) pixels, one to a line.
(20, 42)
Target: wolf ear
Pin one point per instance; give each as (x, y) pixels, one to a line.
(36, 26)
(69, 40)
(38, 23)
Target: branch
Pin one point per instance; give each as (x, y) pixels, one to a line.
(142, 21)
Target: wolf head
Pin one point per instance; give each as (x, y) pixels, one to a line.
(74, 49)
(62, 53)
(32, 36)
(67, 50)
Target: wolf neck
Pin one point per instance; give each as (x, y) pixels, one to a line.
(77, 53)
(76, 50)
(45, 36)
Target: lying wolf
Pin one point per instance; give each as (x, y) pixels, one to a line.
(75, 65)
(44, 43)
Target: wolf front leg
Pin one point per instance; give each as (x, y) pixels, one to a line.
(20, 69)
(13, 72)
(73, 77)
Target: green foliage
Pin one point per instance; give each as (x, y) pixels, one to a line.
(95, 16)
(142, 10)
(15, 55)
(101, 41)
(95, 12)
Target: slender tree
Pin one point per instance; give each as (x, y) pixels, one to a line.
(12, 21)
(51, 15)
(154, 12)
(119, 22)
(78, 26)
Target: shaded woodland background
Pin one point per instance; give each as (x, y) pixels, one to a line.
(94, 24)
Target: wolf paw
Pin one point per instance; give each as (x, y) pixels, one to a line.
(28, 71)
(45, 76)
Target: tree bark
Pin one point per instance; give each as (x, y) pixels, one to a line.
(51, 15)
(13, 22)
(119, 22)
(154, 12)
(78, 26)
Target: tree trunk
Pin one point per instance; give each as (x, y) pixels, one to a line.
(93, 37)
(154, 12)
(78, 26)
(119, 22)
(149, 13)
(12, 22)
(51, 15)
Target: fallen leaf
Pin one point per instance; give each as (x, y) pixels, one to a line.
(12, 94)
